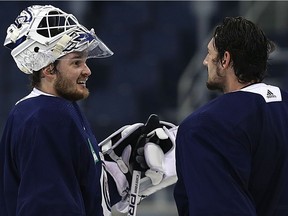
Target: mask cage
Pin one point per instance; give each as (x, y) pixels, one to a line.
(55, 23)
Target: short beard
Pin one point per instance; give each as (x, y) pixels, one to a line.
(63, 89)
(215, 85)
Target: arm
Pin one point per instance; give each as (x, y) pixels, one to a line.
(212, 165)
(180, 195)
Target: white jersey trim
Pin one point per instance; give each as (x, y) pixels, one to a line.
(269, 93)
(34, 93)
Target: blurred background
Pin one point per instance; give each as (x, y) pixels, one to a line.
(157, 67)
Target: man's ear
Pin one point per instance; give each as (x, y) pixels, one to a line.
(226, 60)
(48, 70)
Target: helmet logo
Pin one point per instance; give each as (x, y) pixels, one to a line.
(79, 41)
(24, 17)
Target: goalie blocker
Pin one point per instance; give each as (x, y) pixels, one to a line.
(148, 148)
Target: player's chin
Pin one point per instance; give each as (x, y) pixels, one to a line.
(84, 92)
(80, 93)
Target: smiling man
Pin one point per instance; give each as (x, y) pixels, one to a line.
(50, 161)
(66, 77)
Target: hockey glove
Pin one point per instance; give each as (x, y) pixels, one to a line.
(148, 148)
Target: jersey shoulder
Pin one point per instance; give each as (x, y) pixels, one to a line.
(268, 92)
(43, 109)
(235, 107)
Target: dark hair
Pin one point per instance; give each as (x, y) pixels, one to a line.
(35, 77)
(248, 46)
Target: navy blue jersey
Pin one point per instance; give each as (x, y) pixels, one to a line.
(232, 155)
(49, 161)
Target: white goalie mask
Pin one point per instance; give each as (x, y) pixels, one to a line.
(42, 34)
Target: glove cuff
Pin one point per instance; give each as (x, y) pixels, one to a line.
(119, 178)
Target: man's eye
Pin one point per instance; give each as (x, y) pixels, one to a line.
(77, 63)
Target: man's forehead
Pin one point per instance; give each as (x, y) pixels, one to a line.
(211, 43)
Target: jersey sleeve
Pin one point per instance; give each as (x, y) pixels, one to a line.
(180, 194)
(212, 168)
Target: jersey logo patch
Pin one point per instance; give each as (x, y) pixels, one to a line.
(268, 92)
(93, 152)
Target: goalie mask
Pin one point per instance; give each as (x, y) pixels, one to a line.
(42, 34)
